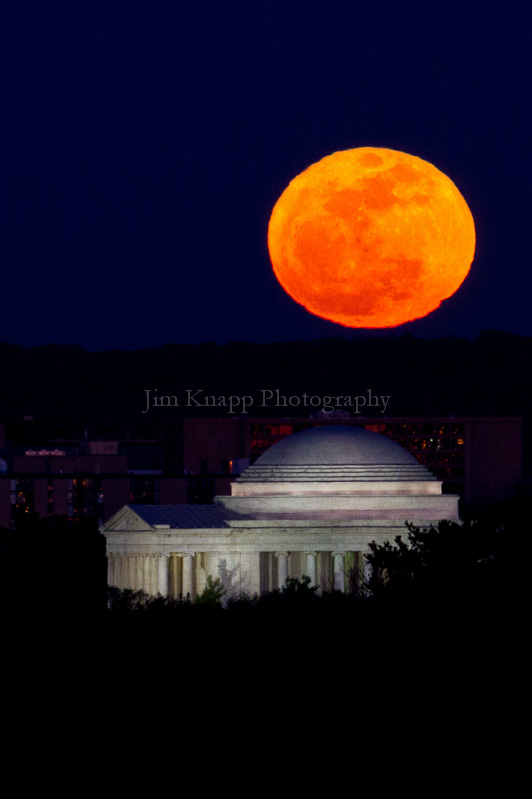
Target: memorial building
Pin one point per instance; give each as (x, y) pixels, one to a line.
(310, 505)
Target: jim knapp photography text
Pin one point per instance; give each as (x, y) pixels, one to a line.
(267, 397)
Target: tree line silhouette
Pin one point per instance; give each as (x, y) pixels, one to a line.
(485, 376)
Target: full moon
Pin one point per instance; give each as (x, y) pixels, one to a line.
(371, 238)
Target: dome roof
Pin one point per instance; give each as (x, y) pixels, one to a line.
(324, 446)
(336, 453)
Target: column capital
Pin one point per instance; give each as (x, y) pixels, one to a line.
(184, 554)
(338, 554)
(311, 554)
(281, 554)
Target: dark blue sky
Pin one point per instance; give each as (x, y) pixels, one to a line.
(144, 144)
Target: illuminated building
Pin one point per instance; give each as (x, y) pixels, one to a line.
(310, 505)
(91, 471)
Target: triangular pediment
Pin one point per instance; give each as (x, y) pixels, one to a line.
(126, 521)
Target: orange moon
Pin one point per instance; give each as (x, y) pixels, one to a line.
(371, 238)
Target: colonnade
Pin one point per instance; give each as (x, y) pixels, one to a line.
(150, 572)
(139, 572)
(310, 568)
(183, 573)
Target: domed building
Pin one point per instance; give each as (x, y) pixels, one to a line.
(310, 505)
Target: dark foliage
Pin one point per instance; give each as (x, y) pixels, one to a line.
(467, 575)
(52, 568)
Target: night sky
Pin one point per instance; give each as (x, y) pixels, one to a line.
(144, 145)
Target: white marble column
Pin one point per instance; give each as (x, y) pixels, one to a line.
(272, 574)
(201, 573)
(188, 574)
(282, 568)
(131, 571)
(368, 570)
(146, 575)
(176, 574)
(119, 571)
(140, 572)
(132, 559)
(311, 566)
(111, 568)
(339, 571)
(153, 573)
(162, 575)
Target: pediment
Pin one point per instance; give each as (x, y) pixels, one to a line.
(126, 521)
